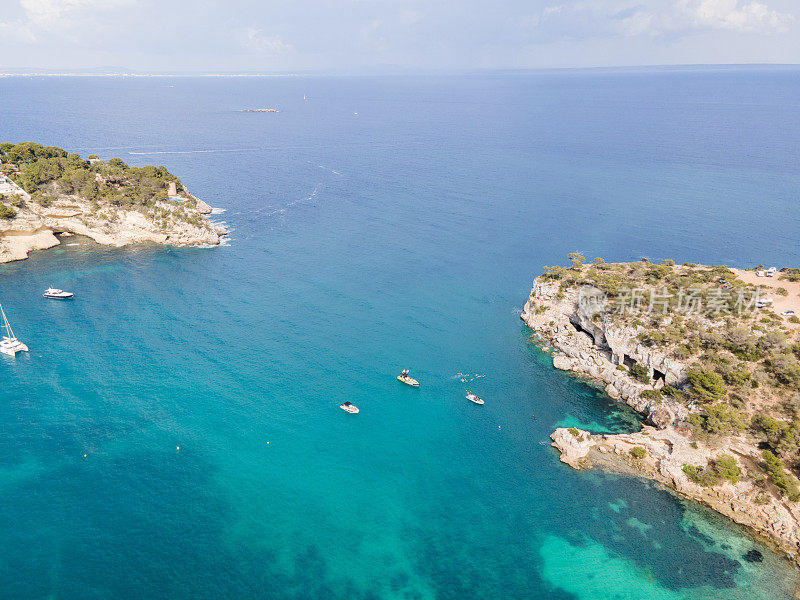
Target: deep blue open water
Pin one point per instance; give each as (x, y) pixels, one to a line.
(405, 235)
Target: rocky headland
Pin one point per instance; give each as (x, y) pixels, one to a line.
(47, 193)
(711, 368)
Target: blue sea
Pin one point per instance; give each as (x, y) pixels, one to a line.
(174, 431)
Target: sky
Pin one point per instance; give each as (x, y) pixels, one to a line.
(386, 35)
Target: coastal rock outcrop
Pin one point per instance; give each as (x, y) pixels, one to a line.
(573, 444)
(202, 207)
(720, 463)
(663, 455)
(593, 346)
(36, 227)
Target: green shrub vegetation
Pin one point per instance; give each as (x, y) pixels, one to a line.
(6, 212)
(724, 467)
(776, 471)
(707, 386)
(48, 172)
(785, 368)
(782, 436)
(638, 452)
(727, 468)
(718, 419)
(704, 476)
(639, 373)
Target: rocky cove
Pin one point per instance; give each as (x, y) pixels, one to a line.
(601, 347)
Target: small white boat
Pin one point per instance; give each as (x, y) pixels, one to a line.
(10, 344)
(473, 398)
(57, 294)
(407, 379)
(348, 407)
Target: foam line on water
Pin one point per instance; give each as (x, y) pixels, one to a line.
(196, 151)
(219, 150)
(295, 202)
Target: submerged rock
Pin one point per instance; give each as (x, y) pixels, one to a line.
(753, 556)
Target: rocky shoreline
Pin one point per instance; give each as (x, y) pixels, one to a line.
(36, 227)
(595, 347)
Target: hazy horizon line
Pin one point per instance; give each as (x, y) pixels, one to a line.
(364, 71)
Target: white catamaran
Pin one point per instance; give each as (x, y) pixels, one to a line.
(10, 344)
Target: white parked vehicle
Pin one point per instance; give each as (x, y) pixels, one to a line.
(764, 302)
(771, 272)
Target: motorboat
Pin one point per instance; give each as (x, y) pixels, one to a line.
(10, 344)
(57, 294)
(349, 407)
(473, 398)
(407, 379)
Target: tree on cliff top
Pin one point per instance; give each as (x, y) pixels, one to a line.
(707, 386)
(577, 260)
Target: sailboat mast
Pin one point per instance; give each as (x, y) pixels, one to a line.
(6, 325)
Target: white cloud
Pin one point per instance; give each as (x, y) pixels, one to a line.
(56, 16)
(583, 19)
(552, 10)
(730, 14)
(51, 12)
(256, 41)
(16, 31)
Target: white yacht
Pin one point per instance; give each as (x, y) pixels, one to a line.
(473, 398)
(10, 344)
(348, 407)
(57, 294)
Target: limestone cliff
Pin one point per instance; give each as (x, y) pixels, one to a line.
(36, 227)
(594, 346)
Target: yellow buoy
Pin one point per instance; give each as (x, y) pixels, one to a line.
(177, 448)
(84, 456)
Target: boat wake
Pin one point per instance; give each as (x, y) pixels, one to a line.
(196, 151)
(296, 202)
(324, 168)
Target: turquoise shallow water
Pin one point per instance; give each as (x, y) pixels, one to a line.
(404, 236)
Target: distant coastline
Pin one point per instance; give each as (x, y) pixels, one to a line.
(390, 70)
